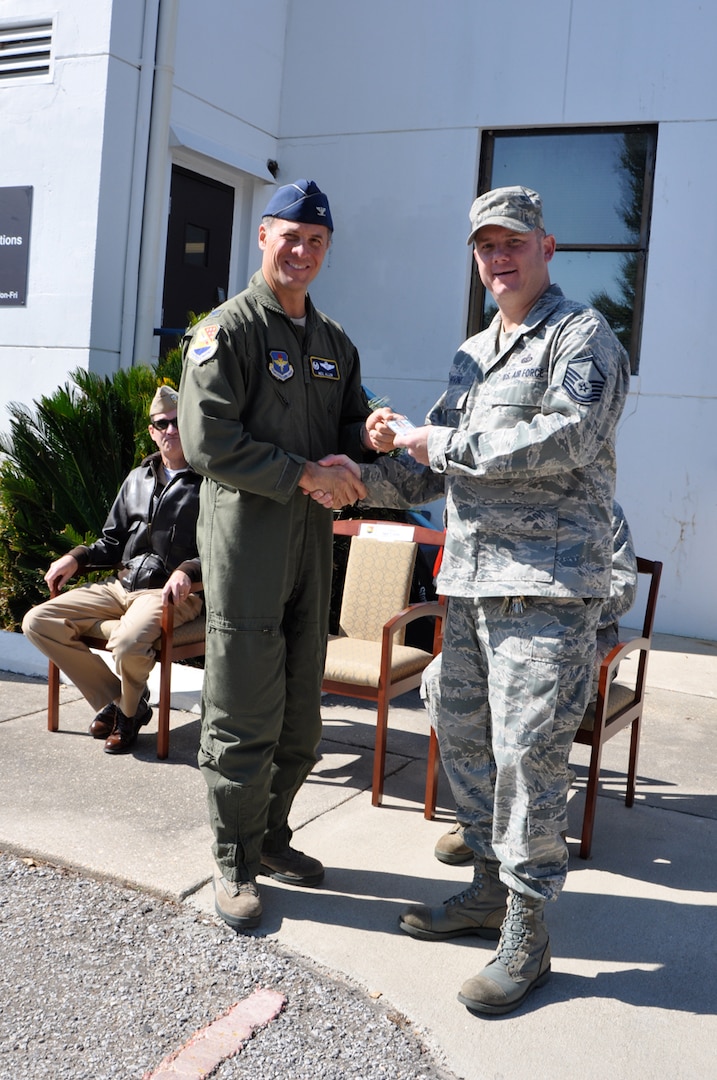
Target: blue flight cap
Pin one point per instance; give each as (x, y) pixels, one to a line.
(300, 201)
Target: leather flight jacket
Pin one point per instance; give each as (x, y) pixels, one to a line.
(150, 530)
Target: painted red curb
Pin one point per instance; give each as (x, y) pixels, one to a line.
(221, 1039)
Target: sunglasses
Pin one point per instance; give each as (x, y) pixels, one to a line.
(162, 425)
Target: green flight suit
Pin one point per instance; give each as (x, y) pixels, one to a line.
(259, 397)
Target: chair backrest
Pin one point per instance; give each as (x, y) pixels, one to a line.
(376, 587)
(654, 571)
(419, 534)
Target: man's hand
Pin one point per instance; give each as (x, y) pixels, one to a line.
(60, 572)
(342, 459)
(178, 586)
(335, 481)
(416, 442)
(377, 435)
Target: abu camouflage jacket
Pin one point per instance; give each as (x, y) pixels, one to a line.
(523, 448)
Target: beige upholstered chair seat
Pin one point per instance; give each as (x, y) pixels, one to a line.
(189, 633)
(351, 660)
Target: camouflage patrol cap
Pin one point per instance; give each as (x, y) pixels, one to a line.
(516, 208)
(163, 401)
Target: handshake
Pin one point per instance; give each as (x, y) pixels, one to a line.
(335, 481)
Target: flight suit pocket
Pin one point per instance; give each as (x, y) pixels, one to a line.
(243, 673)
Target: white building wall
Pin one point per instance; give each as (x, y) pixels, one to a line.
(51, 138)
(81, 141)
(121, 183)
(383, 104)
(226, 107)
(667, 448)
(395, 141)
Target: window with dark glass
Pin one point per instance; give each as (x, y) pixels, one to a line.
(196, 245)
(596, 187)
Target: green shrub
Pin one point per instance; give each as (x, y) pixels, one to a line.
(62, 465)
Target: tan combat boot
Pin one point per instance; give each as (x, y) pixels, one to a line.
(479, 909)
(237, 902)
(452, 848)
(521, 962)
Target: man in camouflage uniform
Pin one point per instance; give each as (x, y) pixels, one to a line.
(522, 444)
(451, 847)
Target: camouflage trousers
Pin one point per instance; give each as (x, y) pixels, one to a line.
(506, 698)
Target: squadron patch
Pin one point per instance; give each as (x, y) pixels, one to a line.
(324, 369)
(279, 365)
(584, 381)
(204, 343)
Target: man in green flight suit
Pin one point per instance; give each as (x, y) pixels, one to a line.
(270, 385)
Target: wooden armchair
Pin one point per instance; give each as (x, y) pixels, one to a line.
(368, 658)
(618, 705)
(172, 645)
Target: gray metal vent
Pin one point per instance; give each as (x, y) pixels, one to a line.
(25, 51)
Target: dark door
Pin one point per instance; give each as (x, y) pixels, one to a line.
(196, 272)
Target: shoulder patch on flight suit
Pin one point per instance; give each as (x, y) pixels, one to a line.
(204, 343)
(324, 369)
(279, 365)
(583, 380)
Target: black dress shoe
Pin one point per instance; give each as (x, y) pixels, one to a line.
(126, 728)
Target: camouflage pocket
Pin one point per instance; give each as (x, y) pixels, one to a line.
(516, 543)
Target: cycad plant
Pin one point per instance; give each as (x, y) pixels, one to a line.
(62, 464)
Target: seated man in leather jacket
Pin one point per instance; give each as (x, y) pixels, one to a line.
(150, 534)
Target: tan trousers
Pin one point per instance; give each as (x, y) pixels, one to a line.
(56, 627)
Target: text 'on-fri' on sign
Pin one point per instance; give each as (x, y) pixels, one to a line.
(15, 215)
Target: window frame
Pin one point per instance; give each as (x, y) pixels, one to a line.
(639, 248)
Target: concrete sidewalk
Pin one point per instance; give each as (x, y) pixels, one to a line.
(634, 986)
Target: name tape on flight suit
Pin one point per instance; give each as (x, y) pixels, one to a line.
(324, 369)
